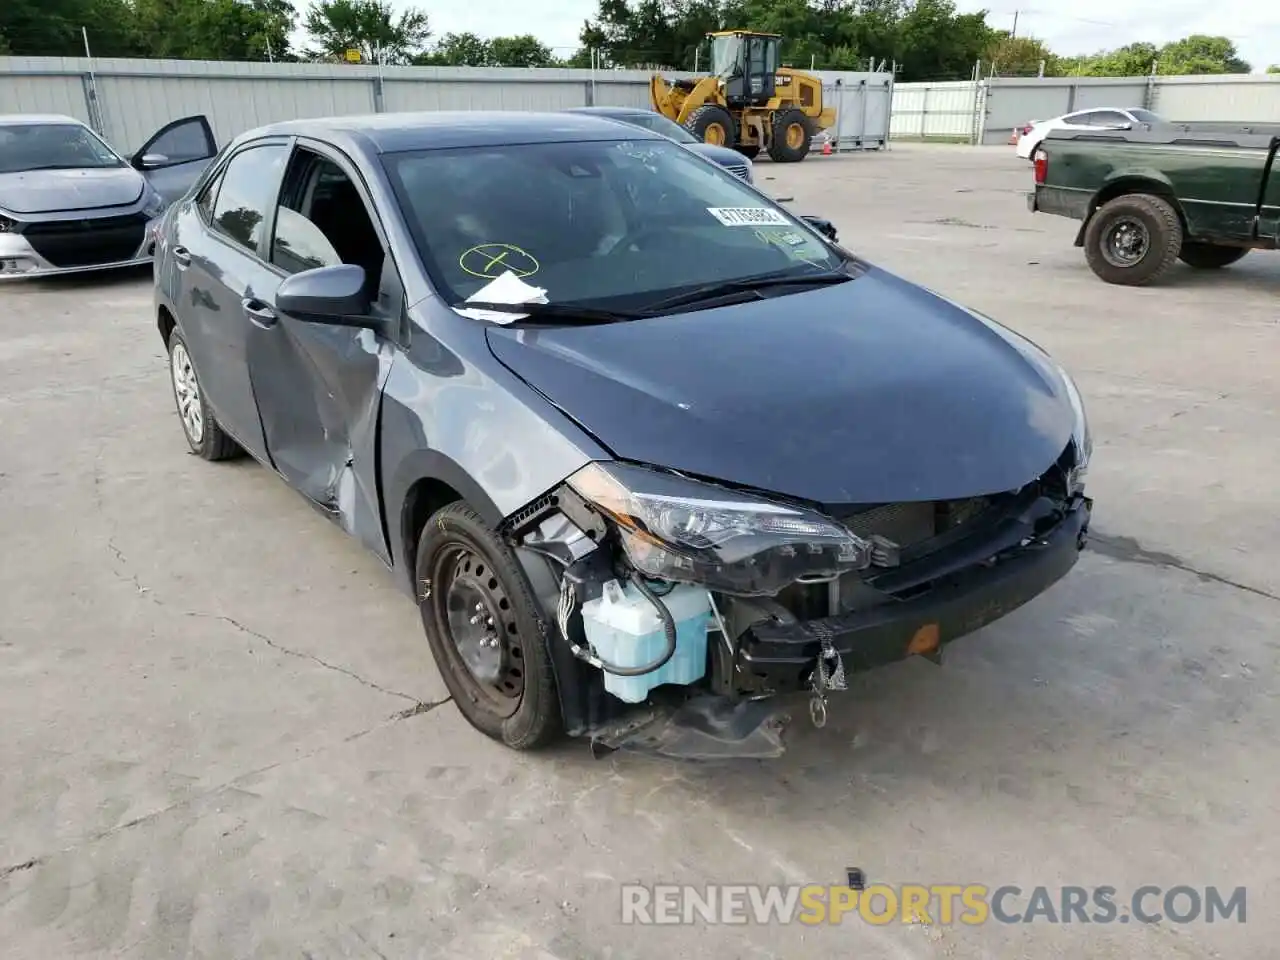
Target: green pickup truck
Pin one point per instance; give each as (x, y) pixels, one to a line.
(1147, 197)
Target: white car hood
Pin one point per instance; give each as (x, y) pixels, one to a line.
(52, 191)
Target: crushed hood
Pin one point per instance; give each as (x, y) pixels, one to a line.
(872, 391)
(53, 191)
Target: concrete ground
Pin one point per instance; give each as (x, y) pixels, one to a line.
(211, 743)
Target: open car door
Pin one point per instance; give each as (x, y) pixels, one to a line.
(1269, 208)
(176, 155)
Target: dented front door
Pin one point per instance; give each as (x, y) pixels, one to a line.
(318, 387)
(319, 391)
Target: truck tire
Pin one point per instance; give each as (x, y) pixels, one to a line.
(1133, 239)
(790, 138)
(1208, 256)
(712, 123)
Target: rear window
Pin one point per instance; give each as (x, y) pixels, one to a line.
(620, 223)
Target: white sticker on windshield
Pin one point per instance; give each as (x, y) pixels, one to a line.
(748, 217)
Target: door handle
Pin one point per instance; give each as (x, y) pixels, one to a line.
(259, 312)
(182, 257)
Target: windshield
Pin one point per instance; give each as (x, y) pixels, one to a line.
(1145, 116)
(616, 224)
(726, 56)
(660, 125)
(52, 146)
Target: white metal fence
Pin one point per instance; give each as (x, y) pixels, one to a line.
(988, 110)
(127, 100)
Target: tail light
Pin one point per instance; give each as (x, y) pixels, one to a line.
(1042, 164)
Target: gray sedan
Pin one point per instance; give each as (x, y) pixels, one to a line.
(69, 202)
(650, 452)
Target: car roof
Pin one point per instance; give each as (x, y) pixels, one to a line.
(35, 119)
(609, 111)
(442, 129)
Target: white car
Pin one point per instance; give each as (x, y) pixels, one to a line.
(1097, 118)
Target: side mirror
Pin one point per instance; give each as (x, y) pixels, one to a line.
(150, 161)
(335, 295)
(824, 227)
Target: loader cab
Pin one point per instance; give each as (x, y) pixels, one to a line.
(747, 64)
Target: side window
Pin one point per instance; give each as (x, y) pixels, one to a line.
(323, 220)
(208, 195)
(182, 143)
(247, 193)
(1103, 118)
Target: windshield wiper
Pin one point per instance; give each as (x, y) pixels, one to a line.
(714, 291)
(552, 313)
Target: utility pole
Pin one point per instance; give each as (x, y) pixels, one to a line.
(1014, 32)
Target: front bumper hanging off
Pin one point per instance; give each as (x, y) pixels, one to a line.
(782, 656)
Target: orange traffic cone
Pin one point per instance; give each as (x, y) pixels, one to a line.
(826, 147)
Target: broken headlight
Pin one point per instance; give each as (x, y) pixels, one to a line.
(1081, 438)
(673, 528)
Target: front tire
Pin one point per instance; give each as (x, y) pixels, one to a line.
(1208, 256)
(1133, 239)
(485, 630)
(712, 123)
(205, 436)
(791, 137)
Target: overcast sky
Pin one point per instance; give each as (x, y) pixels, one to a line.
(1080, 26)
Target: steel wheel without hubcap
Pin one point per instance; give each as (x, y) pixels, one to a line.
(478, 621)
(186, 389)
(1126, 242)
(795, 136)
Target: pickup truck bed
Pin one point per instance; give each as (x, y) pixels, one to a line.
(1206, 194)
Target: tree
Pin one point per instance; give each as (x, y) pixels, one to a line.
(457, 50)
(214, 29)
(522, 51)
(1200, 54)
(1274, 68)
(368, 26)
(1012, 56)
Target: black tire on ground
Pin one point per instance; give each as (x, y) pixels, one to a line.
(1133, 239)
(1208, 256)
(205, 436)
(712, 123)
(750, 152)
(464, 570)
(789, 142)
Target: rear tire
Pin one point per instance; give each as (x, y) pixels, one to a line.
(1208, 256)
(473, 589)
(791, 137)
(712, 123)
(1133, 239)
(205, 436)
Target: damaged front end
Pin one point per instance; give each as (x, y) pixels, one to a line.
(686, 613)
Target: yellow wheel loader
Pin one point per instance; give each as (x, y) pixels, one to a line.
(748, 102)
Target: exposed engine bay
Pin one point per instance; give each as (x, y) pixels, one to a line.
(688, 616)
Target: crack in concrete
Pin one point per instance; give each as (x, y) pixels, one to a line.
(418, 705)
(1129, 550)
(233, 783)
(19, 867)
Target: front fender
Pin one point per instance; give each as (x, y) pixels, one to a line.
(454, 415)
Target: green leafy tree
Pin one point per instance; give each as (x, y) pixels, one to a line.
(1011, 56)
(369, 26)
(214, 29)
(1199, 54)
(522, 51)
(457, 50)
(1274, 68)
